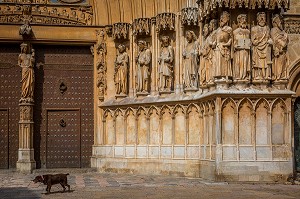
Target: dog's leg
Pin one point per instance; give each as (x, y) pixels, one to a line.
(48, 188)
(63, 187)
(68, 187)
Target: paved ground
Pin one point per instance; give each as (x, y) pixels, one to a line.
(90, 185)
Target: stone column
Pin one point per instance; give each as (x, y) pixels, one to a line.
(26, 162)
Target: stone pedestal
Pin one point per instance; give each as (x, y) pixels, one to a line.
(241, 84)
(26, 162)
(223, 82)
(281, 84)
(190, 90)
(142, 94)
(263, 84)
(121, 96)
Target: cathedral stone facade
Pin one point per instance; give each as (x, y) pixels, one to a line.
(195, 88)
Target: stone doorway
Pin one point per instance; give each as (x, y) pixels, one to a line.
(64, 108)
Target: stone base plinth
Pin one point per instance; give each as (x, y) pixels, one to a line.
(121, 96)
(190, 90)
(263, 84)
(241, 84)
(165, 93)
(281, 84)
(142, 94)
(223, 82)
(26, 162)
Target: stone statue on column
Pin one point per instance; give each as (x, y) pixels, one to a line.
(280, 42)
(143, 61)
(190, 61)
(223, 47)
(26, 61)
(165, 68)
(241, 47)
(260, 38)
(121, 71)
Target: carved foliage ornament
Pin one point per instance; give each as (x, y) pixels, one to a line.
(189, 16)
(121, 30)
(165, 21)
(142, 26)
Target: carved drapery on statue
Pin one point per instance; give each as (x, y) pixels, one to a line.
(206, 57)
(190, 61)
(223, 47)
(143, 63)
(26, 61)
(121, 71)
(260, 37)
(241, 46)
(165, 67)
(280, 41)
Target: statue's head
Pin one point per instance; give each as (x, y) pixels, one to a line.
(121, 48)
(165, 40)
(261, 18)
(142, 44)
(24, 47)
(213, 24)
(190, 36)
(224, 19)
(277, 21)
(242, 20)
(206, 30)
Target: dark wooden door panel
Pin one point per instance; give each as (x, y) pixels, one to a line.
(63, 139)
(4, 133)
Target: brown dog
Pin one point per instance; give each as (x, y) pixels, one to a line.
(50, 180)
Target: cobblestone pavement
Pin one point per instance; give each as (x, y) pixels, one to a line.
(90, 185)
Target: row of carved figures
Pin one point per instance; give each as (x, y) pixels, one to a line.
(259, 54)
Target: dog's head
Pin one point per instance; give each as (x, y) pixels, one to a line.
(38, 179)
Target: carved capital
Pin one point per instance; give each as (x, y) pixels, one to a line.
(121, 30)
(165, 21)
(189, 16)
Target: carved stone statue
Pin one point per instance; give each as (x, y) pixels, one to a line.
(280, 41)
(121, 70)
(241, 46)
(223, 47)
(190, 61)
(26, 61)
(260, 38)
(212, 43)
(206, 57)
(143, 61)
(165, 68)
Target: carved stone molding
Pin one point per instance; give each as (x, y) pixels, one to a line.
(209, 6)
(189, 16)
(101, 50)
(46, 14)
(165, 21)
(142, 26)
(120, 30)
(292, 24)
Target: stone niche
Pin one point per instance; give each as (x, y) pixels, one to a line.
(227, 115)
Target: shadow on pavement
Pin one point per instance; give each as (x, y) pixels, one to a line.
(58, 192)
(18, 193)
